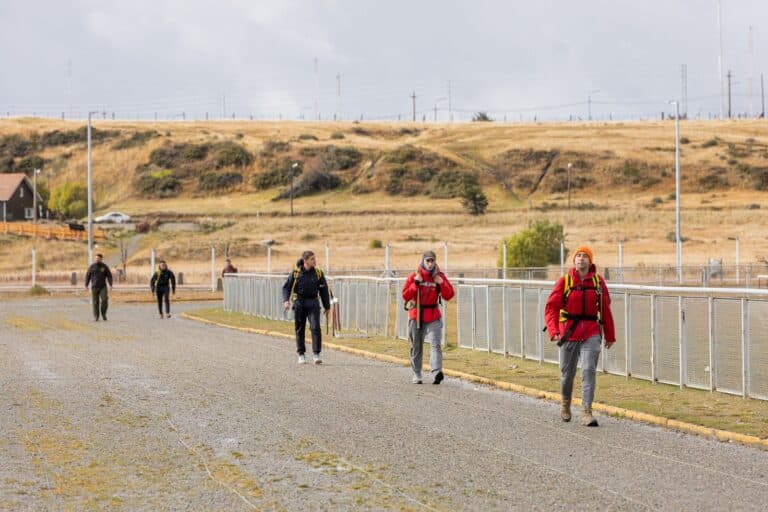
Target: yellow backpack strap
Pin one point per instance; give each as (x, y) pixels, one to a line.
(319, 273)
(295, 278)
(567, 286)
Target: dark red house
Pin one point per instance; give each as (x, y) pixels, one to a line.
(16, 201)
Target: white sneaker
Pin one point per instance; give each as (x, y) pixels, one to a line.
(302, 359)
(416, 379)
(316, 359)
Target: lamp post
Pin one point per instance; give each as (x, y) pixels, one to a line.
(678, 242)
(589, 103)
(293, 174)
(34, 198)
(90, 191)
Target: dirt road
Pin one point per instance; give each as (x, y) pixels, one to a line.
(140, 413)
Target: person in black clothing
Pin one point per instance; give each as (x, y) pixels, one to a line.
(98, 276)
(163, 283)
(306, 287)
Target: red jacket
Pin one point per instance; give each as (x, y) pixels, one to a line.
(428, 293)
(580, 302)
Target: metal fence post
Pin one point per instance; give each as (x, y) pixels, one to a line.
(681, 343)
(269, 258)
(539, 316)
(522, 322)
(488, 318)
(213, 268)
(628, 334)
(653, 340)
(712, 358)
(504, 319)
(474, 317)
(744, 348)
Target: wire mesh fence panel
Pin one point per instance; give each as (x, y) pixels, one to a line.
(464, 320)
(481, 317)
(696, 336)
(668, 340)
(640, 335)
(616, 357)
(758, 349)
(496, 326)
(727, 324)
(383, 307)
(512, 314)
(531, 309)
(551, 350)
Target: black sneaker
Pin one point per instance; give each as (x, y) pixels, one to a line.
(438, 378)
(104, 317)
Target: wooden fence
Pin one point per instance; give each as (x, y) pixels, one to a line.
(48, 231)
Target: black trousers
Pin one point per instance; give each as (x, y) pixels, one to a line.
(100, 301)
(163, 294)
(303, 311)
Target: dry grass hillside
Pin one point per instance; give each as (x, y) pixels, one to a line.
(399, 183)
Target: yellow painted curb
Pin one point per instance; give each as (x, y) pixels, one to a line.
(682, 426)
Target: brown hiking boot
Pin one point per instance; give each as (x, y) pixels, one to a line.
(587, 419)
(565, 410)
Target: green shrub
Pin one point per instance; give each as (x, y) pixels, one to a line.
(307, 136)
(308, 237)
(136, 139)
(15, 146)
(474, 200)
(537, 246)
(312, 182)
(29, 164)
(450, 183)
(274, 146)
(67, 138)
(713, 180)
(685, 140)
(277, 176)
(408, 182)
(375, 244)
(337, 136)
(68, 200)
(7, 164)
(158, 184)
(232, 155)
(336, 158)
(481, 117)
(194, 152)
(709, 143)
(404, 154)
(210, 180)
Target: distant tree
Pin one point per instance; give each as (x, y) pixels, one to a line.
(481, 117)
(537, 246)
(474, 200)
(69, 200)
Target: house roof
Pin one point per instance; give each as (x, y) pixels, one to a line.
(10, 182)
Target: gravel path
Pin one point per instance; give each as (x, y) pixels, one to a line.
(146, 414)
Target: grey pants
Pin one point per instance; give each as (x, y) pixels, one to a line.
(100, 301)
(589, 351)
(431, 333)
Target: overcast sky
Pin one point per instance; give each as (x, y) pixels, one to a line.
(257, 57)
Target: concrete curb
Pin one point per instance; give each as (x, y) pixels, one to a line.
(610, 410)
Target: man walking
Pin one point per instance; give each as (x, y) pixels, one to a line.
(423, 291)
(229, 268)
(577, 314)
(306, 288)
(98, 276)
(162, 284)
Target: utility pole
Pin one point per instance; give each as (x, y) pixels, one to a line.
(729, 76)
(762, 94)
(413, 97)
(720, 57)
(750, 80)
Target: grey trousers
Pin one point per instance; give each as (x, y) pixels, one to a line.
(100, 301)
(589, 351)
(431, 333)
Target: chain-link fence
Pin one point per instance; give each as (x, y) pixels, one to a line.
(706, 338)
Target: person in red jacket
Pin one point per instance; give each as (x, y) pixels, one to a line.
(577, 314)
(422, 291)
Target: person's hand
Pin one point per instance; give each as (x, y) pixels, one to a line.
(438, 279)
(555, 338)
(327, 312)
(287, 305)
(609, 344)
(417, 277)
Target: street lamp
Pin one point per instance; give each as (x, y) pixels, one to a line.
(90, 192)
(293, 174)
(34, 198)
(589, 103)
(678, 243)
